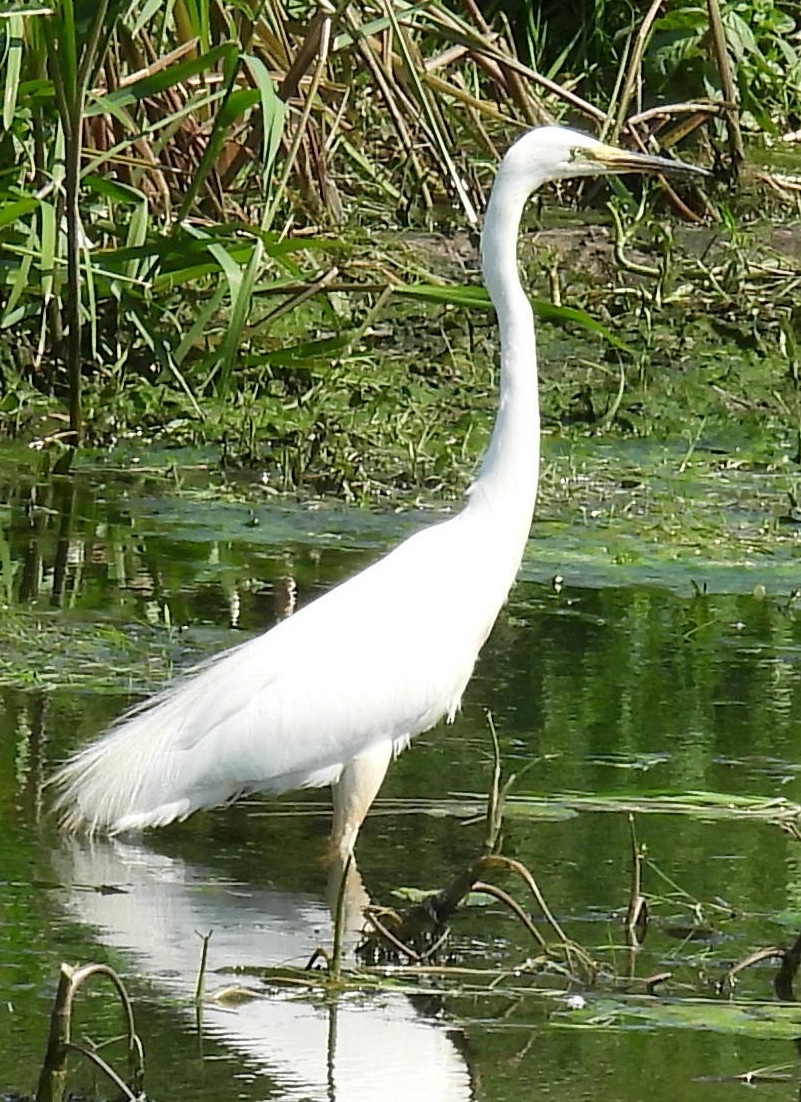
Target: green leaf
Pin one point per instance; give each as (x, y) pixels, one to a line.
(240, 308)
(571, 315)
(155, 83)
(234, 105)
(47, 246)
(452, 294)
(476, 297)
(273, 113)
(322, 351)
(12, 69)
(18, 208)
(114, 190)
(200, 325)
(9, 9)
(19, 283)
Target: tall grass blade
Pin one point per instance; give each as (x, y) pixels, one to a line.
(239, 315)
(273, 116)
(153, 84)
(13, 67)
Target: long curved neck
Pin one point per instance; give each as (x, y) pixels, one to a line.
(506, 485)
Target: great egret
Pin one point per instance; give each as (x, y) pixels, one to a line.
(332, 694)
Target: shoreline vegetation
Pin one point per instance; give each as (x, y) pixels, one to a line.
(230, 226)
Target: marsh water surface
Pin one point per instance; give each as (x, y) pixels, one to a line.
(659, 676)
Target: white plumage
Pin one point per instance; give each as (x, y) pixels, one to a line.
(330, 694)
(292, 707)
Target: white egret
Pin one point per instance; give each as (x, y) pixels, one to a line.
(332, 694)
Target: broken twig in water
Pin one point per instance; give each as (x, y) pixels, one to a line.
(53, 1076)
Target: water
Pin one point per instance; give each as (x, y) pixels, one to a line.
(625, 684)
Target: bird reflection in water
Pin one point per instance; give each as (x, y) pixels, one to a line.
(341, 1049)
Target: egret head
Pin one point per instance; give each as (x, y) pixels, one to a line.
(557, 153)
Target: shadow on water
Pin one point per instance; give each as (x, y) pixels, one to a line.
(607, 696)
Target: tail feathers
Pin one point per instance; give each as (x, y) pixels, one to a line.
(143, 774)
(133, 777)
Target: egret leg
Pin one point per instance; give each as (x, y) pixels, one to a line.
(353, 793)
